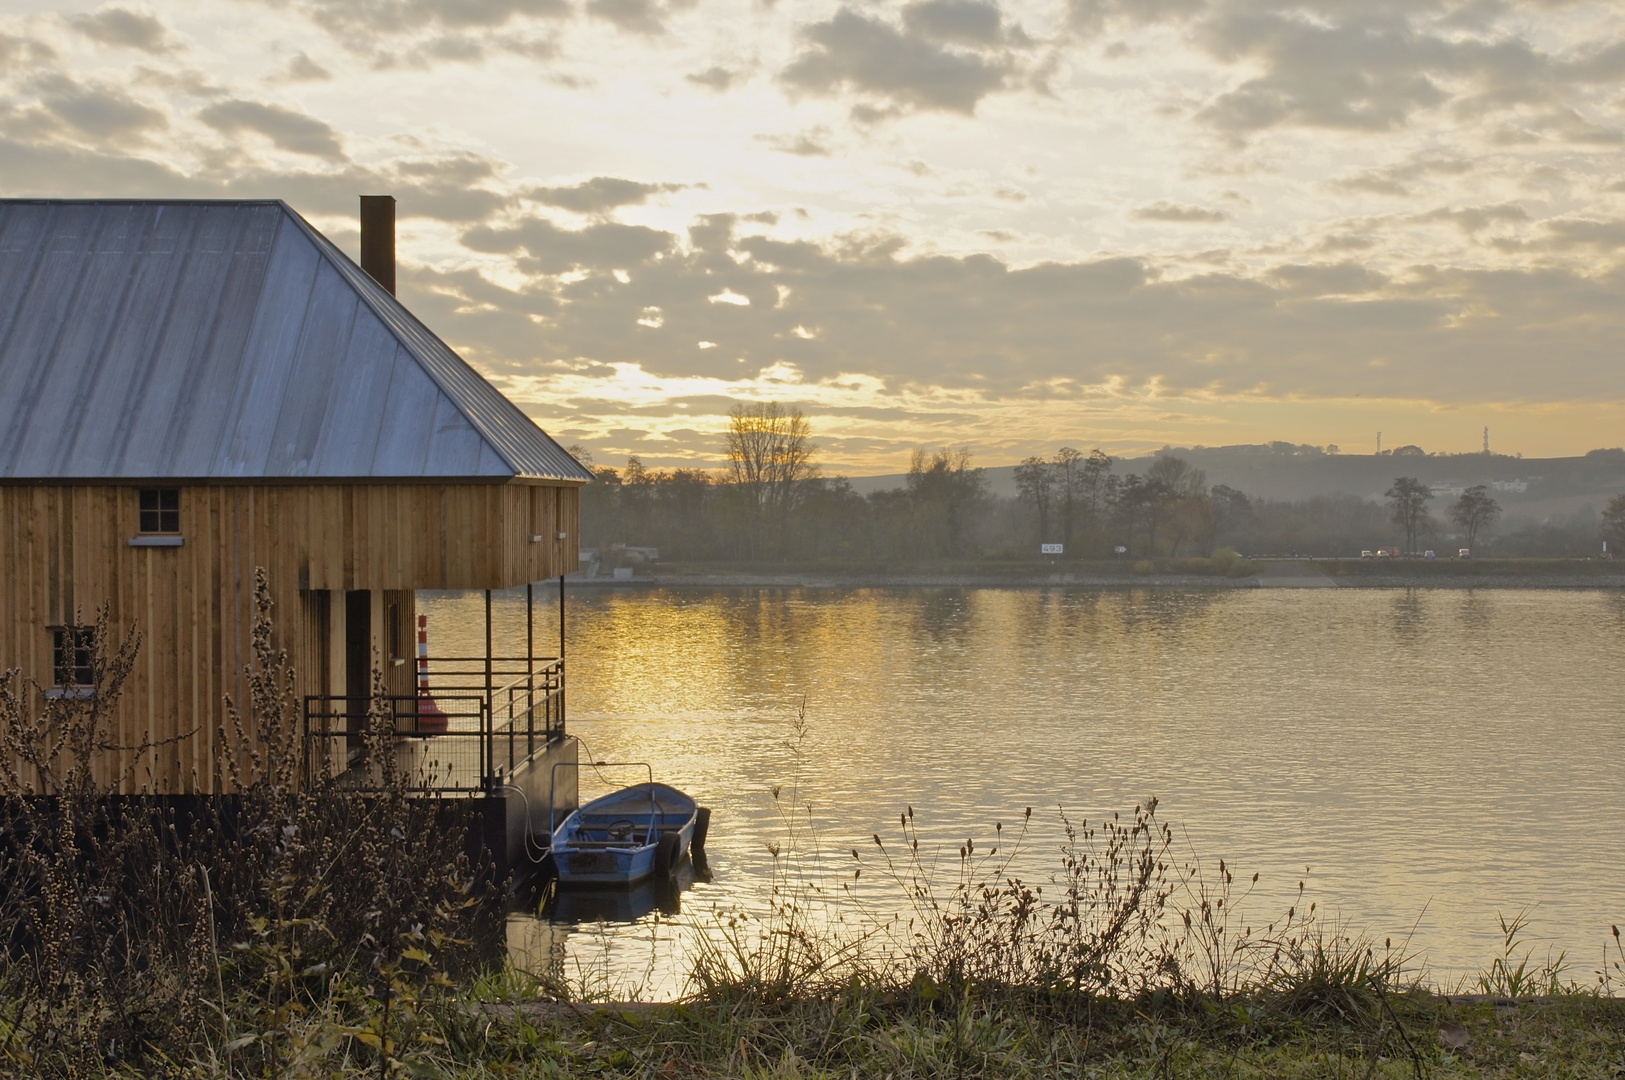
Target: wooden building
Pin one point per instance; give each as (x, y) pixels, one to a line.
(193, 390)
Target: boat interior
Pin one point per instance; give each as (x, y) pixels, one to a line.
(630, 818)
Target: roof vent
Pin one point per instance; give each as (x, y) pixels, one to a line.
(378, 239)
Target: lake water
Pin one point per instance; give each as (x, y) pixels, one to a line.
(1432, 757)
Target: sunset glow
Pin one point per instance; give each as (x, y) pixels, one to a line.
(943, 222)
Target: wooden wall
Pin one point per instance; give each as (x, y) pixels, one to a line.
(64, 551)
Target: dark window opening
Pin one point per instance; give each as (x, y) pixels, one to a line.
(358, 654)
(160, 510)
(395, 629)
(70, 655)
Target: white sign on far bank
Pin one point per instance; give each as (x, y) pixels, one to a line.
(1051, 549)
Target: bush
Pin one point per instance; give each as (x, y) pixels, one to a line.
(1228, 562)
(294, 916)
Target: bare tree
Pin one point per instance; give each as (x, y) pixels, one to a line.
(1408, 500)
(1096, 487)
(1068, 489)
(945, 491)
(1190, 513)
(770, 456)
(1233, 508)
(1177, 475)
(1035, 480)
(1475, 510)
(1613, 524)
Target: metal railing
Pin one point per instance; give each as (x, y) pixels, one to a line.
(489, 715)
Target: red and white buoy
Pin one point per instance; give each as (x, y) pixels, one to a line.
(430, 718)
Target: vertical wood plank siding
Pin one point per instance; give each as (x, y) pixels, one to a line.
(64, 550)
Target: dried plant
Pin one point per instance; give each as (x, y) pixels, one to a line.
(1103, 930)
(292, 916)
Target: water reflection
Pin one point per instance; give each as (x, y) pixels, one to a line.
(1409, 619)
(573, 906)
(1441, 754)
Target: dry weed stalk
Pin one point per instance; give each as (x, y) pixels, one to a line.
(288, 918)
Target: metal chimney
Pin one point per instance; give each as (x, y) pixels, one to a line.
(378, 239)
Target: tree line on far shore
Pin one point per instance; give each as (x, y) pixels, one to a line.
(772, 503)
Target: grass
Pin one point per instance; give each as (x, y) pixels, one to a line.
(872, 1031)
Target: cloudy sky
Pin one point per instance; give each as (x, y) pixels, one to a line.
(1122, 223)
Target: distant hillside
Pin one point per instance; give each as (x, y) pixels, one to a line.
(1534, 486)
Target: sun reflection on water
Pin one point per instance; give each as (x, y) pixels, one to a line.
(1430, 756)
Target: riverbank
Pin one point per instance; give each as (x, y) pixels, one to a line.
(1158, 574)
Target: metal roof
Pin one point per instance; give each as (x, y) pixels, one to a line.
(144, 339)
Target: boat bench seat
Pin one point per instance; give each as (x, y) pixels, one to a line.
(635, 841)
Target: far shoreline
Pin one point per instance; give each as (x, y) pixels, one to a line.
(1102, 582)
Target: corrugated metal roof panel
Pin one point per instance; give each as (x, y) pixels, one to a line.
(508, 430)
(230, 340)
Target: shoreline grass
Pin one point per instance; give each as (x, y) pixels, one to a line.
(875, 1031)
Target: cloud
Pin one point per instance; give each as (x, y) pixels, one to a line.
(52, 170)
(1092, 17)
(1569, 234)
(295, 132)
(646, 17)
(97, 110)
(1475, 219)
(413, 16)
(813, 143)
(1395, 180)
(457, 187)
(1178, 213)
(601, 194)
(713, 78)
(903, 68)
(23, 52)
(1567, 125)
(978, 326)
(543, 247)
(122, 28)
(177, 80)
(1368, 76)
(1374, 67)
(301, 68)
(958, 22)
(1336, 279)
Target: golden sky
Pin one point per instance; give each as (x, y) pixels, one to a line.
(1114, 223)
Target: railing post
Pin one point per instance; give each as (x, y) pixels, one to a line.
(489, 709)
(561, 656)
(530, 669)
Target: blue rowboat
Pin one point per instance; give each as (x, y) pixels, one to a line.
(625, 836)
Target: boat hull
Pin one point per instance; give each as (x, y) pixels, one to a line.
(615, 840)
